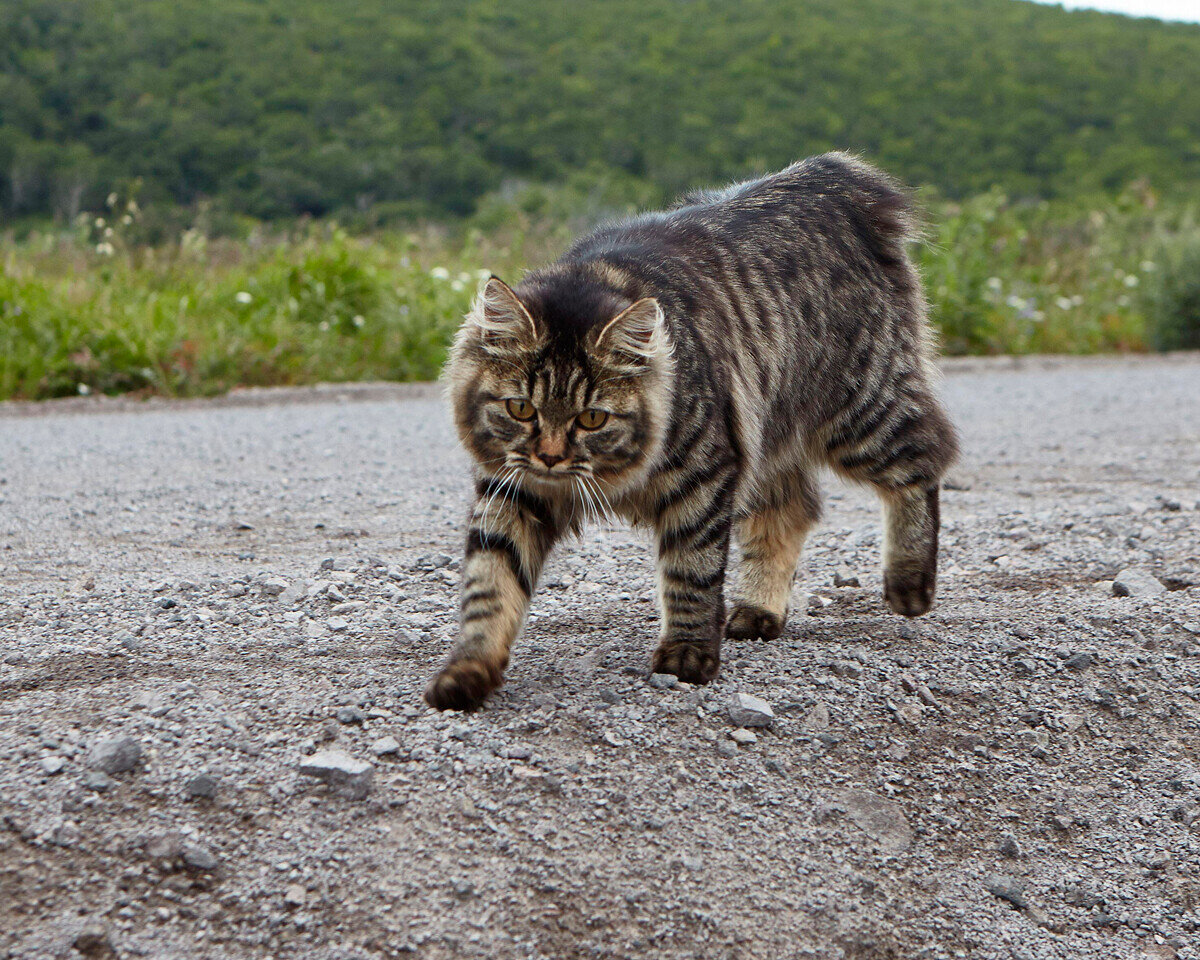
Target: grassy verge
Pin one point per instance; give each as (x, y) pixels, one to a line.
(93, 310)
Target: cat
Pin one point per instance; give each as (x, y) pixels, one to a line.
(691, 370)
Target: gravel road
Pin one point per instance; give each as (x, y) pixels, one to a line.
(236, 585)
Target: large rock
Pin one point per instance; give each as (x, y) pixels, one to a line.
(337, 768)
(879, 818)
(746, 710)
(115, 755)
(1137, 583)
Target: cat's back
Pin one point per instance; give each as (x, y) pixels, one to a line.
(833, 207)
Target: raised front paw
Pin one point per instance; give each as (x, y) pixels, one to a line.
(692, 661)
(909, 592)
(748, 622)
(463, 685)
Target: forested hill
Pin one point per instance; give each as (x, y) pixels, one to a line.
(420, 107)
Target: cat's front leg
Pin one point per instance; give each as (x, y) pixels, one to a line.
(511, 533)
(693, 551)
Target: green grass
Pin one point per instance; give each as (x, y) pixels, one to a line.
(92, 310)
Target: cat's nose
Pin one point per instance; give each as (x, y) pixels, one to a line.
(550, 459)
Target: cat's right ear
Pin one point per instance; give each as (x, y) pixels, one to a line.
(504, 326)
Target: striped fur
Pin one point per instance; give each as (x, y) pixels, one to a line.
(731, 346)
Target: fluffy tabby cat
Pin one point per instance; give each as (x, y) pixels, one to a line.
(692, 370)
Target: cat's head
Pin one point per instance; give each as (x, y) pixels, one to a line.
(561, 381)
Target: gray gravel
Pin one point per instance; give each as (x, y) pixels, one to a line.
(237, 586)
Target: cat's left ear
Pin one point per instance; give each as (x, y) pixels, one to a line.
(635, 336)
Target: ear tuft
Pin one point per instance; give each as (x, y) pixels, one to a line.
(635, 336)
(505, 326)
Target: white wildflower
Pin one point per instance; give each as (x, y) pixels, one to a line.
(457, 285)
(83, 389)
(1015, 302)
(1131, 280)
(995, 284)
(483, 274)
(1148, 266)
(243, 296)
(359, 320)
(1064, 303)
(104, 248)
(440, 273)
(99, 223)
(111, 201)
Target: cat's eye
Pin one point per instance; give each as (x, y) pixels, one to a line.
(520, 409)
(592, 419)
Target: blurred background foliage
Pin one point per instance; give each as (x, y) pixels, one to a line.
(199, 195)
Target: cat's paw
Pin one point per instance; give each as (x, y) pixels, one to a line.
(909, 592)
(748, 622)
(463, 685)
(692, 661)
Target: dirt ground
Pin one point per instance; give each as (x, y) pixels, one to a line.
(235, 585)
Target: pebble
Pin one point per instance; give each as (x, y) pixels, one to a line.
(115, 755)
(350, 715)
(93, 941)
(1134, 582)
(295, 895)
(273, 586)
(743, 737)
(881, 819)
(664, 681)
(1009, 847)
(1006, 888)
(339, 769)
(98, 781)
(201, 787)
(747, 710)
(845, 577)
(52, 765)
(385, 746)
(726, 749)
(1079, 661)
(337, 624)
(198, 858)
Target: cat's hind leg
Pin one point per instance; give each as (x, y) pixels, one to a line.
(771, 539)
(902, 451)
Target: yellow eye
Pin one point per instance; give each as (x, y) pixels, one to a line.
(592, 419)
(520, 409)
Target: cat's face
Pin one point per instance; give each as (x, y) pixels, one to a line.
(560, 404)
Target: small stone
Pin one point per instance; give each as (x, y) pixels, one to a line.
(879, 818)
(52, 765)
(1009, 847)
(273, 586)
(746, 710)
(743, 737)
(726, 749)
(1079, 661)
(1006, 888)
(664, 681)
(846, 668)
(350, 606)
(295, 895)
(198, 858)
(339, 769)
(115, 755)
(98, 781)
(93, 941)
(385, 746)
(201, 787)
(1133, 582)
(350, 715)
(337, 624)
(845, 577)
(906, 631)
